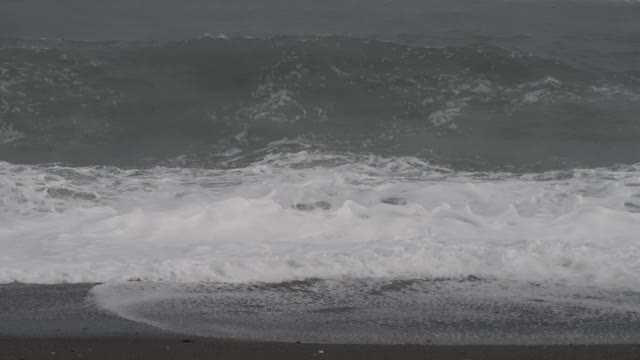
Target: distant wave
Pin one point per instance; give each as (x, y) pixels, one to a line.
(142, 104)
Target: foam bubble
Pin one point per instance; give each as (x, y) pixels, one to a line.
(299, 216)
(438, 311)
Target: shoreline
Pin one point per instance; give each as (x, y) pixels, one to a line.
(57, 322)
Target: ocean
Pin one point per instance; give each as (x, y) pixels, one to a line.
(375, 171)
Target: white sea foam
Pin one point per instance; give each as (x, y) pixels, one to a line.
(305, 215)
(9, 134)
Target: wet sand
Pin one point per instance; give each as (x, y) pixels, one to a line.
(57, 322)
(136, 347)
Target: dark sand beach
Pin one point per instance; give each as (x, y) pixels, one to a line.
(57, 322)
(189, 348)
